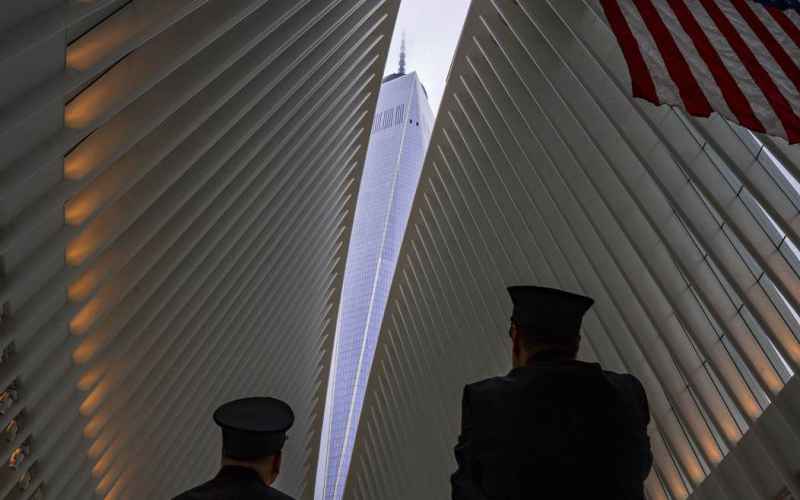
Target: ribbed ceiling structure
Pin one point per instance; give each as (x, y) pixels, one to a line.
(543, 170)
(177, 183)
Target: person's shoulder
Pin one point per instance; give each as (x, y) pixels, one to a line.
(489, 389)
(624, 380)
(221, 487)
(188, 495)
(196, 493)
(631, 389)
(202, 492)
(487, 385)
(277, 494)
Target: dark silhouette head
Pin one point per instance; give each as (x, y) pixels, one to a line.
(545, 323)
(253, 434)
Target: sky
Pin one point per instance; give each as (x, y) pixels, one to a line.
(432, 29)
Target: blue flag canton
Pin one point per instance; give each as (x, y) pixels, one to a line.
(781, 4)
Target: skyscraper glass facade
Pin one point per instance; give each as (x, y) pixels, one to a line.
(400, 134)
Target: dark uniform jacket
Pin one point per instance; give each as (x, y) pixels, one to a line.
(234, 483)
(553, 430)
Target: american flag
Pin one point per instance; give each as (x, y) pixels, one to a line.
(739, 58)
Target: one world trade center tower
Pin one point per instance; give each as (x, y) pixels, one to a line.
(399, 139)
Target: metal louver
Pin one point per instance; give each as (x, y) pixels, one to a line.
(177, 183)
(542, 170)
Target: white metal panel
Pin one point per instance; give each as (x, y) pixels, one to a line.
(177, 238)
(543, 170)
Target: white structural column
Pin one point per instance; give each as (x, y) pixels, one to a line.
(542, 170)
(400, 133)
(177, 189)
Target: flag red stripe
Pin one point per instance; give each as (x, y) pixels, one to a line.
(778, 101)
(786, 24)
(727, 83)
(692, 95)
(643, 85)
(781, 57)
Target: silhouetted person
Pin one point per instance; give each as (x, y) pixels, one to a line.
(253, 433)
(554, 427)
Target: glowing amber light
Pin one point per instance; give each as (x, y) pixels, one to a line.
(77, 116)
(774, 382)
(81, 289)
(92, 48)
(751, 408)
(90, 378)
(97, 448)
(80, 56)
(710, 448)
(78, 210)
(105, 484)
(93, 428)
(115, 491)
(794, 351)
(89, 105)
(677, 488)
(766, 373)
(747, 402)
(78, 250)
(696, 472)
(90, 404)
(84, 352)
(85, 318)
(78, 163)
(714, 453)
(102, 189)
(102, 465)
(731, 431)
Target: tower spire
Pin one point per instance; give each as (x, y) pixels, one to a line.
(403, 55)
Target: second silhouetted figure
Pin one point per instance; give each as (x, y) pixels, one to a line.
(554, 427)
(253, 434)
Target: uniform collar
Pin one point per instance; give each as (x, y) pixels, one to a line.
(554, 363)
(239, 473)
(549, 357)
